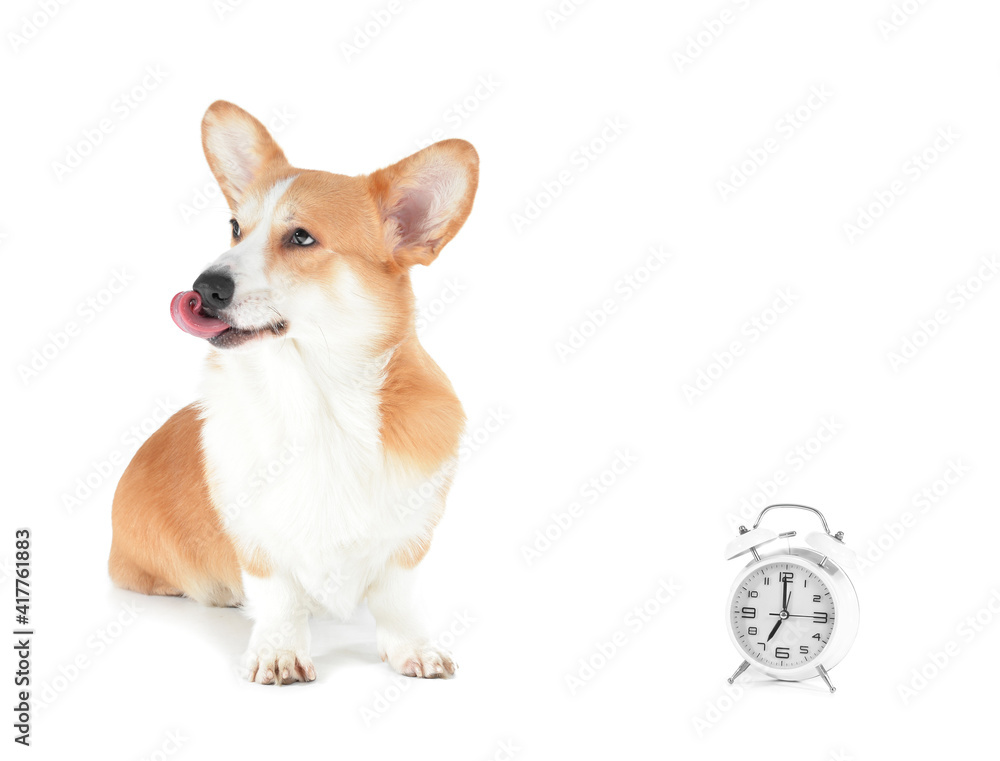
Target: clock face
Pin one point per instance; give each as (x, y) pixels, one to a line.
(782, 615)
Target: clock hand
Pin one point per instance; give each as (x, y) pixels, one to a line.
(784, 595)
(775, 629)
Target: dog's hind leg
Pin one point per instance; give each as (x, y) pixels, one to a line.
(128, 575)
(167, 538)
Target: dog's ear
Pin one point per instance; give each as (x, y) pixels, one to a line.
(425, 199)
(238, 148)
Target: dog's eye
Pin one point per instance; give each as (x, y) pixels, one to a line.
(301, 238)
(236, 228)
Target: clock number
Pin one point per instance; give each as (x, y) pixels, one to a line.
(819, 618)
(763, 645)
(816, 635)
(752, 630)
(749, 613)
(753, 593)
(803, 650)
(767, 581)
(785, 576)
(781, 653)
(817, 598)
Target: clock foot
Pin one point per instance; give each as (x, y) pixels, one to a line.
(743, 667)
(826, 678)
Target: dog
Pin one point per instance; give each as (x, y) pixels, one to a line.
(313, 470)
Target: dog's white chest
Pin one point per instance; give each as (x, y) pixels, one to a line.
(298, 471)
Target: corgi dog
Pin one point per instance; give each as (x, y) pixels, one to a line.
(313, 470)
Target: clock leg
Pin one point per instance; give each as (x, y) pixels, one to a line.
(743, 667)
(826, 678)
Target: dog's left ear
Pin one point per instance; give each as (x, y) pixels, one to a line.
(238, 148)
(425, 199)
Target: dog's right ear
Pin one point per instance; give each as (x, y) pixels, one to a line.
(238, 148)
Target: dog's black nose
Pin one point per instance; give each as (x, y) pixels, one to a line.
(215, 288)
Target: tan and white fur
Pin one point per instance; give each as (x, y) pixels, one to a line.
(289, 488)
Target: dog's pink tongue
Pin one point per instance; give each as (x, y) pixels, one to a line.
(186, 311)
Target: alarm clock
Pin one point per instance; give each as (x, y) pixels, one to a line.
(793, 612)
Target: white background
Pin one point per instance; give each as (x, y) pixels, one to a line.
(892, 83)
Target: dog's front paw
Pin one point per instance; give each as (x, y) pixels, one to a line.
(270, 666)
(424, 661)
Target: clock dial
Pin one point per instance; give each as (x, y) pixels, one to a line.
(783, 615)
